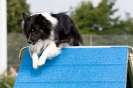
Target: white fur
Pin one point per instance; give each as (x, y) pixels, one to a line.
(50, 50)
(22, 24)
(35, 60)
(53, 20)
(48, 16)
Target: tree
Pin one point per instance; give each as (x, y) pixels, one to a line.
(14, 10)
(14, 19)
(127, 24)
(99, 20)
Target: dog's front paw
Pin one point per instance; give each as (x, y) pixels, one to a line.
(35, 64)
(42, 60)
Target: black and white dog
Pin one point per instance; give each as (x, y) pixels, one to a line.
(50, 32)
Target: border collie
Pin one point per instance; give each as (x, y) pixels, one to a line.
(49, 32)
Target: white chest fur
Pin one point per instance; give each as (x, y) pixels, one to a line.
(50, 50)
(40, 44)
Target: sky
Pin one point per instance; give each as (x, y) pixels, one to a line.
(56, 6)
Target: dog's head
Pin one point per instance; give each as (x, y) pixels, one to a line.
(38, 26)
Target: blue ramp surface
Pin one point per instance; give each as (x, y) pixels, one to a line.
(77, 68)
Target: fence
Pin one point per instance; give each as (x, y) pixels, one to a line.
(102, 40)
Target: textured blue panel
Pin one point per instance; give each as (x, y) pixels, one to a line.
(77, 68)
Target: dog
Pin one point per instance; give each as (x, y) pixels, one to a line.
(50, 32)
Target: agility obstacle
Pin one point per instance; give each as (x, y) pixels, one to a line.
(77, 67)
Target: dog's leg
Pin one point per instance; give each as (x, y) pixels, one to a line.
(49, 52)
(34, 59)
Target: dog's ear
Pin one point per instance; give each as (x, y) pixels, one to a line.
(25, 16)
(39, 18)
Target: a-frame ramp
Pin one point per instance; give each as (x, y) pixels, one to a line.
(77, 67)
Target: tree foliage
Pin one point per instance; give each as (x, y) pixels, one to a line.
(14, 10)
(100, 19)
(14, 19)
(7, 82)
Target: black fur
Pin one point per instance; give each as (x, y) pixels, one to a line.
(38, 27)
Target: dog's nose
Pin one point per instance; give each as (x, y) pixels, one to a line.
(29, 42)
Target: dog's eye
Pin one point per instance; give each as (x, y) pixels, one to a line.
(41, 31)
(33, 30)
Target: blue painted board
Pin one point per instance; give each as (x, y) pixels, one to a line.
(77, 68)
